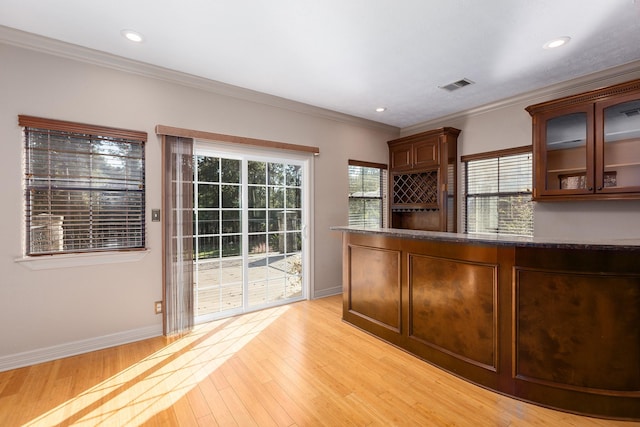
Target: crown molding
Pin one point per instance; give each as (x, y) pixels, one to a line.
(611, 76)
(34, 42)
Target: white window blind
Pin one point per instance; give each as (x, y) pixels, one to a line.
(367, 194)
(84, 187)
(498, 193)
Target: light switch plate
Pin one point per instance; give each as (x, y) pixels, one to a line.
(155, 215)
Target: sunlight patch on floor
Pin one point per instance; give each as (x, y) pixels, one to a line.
(158, 381)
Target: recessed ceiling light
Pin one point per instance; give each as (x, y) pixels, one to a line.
(131, 35)
(381, 109)
(557, 42)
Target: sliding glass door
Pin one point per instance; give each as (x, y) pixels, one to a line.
(249, 232)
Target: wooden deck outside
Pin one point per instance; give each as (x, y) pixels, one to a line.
(219, 285)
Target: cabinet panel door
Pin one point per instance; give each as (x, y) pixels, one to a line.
(426, 153)
(564, 152)
(618, 145)
(400, 157)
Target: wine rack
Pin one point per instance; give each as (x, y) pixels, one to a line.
(416, 189)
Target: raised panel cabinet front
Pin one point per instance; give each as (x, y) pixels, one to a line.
(452, 308)
(578, 330)
(374, 285)
(401, 157)
(426, 154)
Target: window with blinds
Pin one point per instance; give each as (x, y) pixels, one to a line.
(498, 192)
(367, 194)
(84, 187)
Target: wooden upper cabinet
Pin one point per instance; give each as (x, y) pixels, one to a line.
(423, 180)
(617, 148)
(564, 152)
(412, 155)
(587, 146)
(423, 150)
(401, 157)
(426, 153)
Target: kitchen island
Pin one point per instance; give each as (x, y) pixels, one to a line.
(553, 322)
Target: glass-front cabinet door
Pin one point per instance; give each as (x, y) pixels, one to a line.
(618, 145)
(565, 155)
(587, 146)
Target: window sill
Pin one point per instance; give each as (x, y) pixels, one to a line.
(49, 262)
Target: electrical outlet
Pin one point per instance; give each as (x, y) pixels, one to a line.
(158, 306)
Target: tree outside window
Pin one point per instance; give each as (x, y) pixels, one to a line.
(498, 192)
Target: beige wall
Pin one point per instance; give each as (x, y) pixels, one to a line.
(51, 308)
(42, 312)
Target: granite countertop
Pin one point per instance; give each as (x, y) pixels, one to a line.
(499, 240)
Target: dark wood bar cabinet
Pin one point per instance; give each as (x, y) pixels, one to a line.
(552, 323)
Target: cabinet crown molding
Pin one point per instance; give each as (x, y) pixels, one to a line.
(585, 97)
(419, 136)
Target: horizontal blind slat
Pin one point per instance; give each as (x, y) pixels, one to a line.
(84, 189)
(498, 195)
(367, 190)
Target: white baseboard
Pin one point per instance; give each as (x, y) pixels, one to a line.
(47, 354)
(327, 292)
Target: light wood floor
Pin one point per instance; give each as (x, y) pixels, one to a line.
(297, 365)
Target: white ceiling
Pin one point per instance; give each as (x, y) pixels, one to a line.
(352, 56)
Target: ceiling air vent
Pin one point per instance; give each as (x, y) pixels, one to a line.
(456, 85)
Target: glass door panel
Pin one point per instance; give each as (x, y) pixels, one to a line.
(248, 227)
(274, 212)
(566, 152)
(621, 148)
(218, 235)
